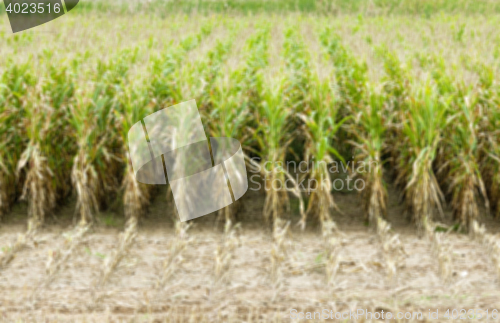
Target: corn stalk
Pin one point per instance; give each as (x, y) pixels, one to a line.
(465, 181)
(15, 84)
(320, 126)
(426, 117)
(273, 137)
(46, 158)
(392, 249)
(278, 254)
(369, 129)
(96, 166)
(174, 259)
(224, 254)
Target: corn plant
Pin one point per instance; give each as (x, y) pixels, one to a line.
(396, 90)
(350, 79)
(395, 81)
(47, 156)
(14, 86)
(228, 118)
(465, 180)
(350, 75)
(133, 107)
(461, 174)
(448, 91)
(425, 119)
(248, 82)
(273, 136)
(297, 84)
(489, 126)
(96, 166)
(320, 125)
(209, 71)
(164, 88)
(443, 80)
(249, 78)
(235, 98)
(369, 128)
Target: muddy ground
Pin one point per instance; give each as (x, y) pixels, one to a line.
(130, 293)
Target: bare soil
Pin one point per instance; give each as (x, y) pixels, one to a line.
(130, 295)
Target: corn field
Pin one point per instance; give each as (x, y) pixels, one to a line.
(405, 108)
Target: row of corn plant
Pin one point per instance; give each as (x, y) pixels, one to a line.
(165, 89)
(465, 180)
(249, 88)
(209, 69)
(97, 164)
(133, 107)
(459, 157)
(273, 135)
(396, 86)
(366, 132)
(47, 158)
(236, 96)
(14, 86)
(203, 79)
(42, 134)
(297, 70)
(280, 116)
(250, 79)
(425, 120)
(17, 82)
(489, 100)
(350, 74)
(418, 115)
(297, 85)
(441, 134)
(441, 127)
(369, 129)
(320, 125)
